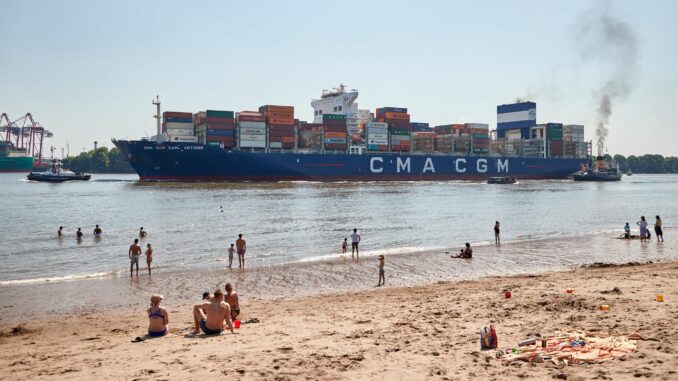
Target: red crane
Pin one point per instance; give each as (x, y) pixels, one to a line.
(25, 134)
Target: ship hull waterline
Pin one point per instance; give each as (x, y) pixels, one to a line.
(195, 162)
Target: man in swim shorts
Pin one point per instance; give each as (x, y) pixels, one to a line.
(241, 247)
(97, 231)
(134, 254)
(232, 300)
(355, 240)
(218, 313)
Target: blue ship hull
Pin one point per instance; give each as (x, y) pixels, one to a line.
(196, 162)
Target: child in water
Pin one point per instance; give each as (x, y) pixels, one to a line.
(627, 231)
(231, 251)
(382, 277)
(344, 246)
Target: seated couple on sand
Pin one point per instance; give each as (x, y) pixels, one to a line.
(213, 316)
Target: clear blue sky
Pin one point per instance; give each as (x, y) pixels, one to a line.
(88, 70)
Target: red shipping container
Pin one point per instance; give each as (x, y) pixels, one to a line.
(276, 134)
(220, 120)
(288, 139)
(251, 118)
(176, 114)
(272, 108)
(224, 139)
(281, 121)
(335, 146)
(397, 116)
(556, 147)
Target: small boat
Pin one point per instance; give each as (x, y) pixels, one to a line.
(57, 174)
(601, 171)
(502, 180)
(629, 173)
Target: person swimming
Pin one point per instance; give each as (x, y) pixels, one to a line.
(158, 317)
(142, 232)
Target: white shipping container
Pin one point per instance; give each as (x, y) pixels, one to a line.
(383, 136)
(180, 131)
(182, 139)
(400, 138)
(376, 125)
(380, 142)
(513, 135)
(478, 125)
(253, 137)
(173, 125)
(275, 144)
(377, 130)
(252, 131)
(251, 124)
(252, 143)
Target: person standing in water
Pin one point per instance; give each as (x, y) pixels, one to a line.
(344, 246)
(355, 240)
(627, 231)
(658, 229)
(643, 228)
(149, 257)
(231, 251)
(382, 277)
(97, 231)
(497, 239)
(60, 232)
(134, 254)
(241, 247)
(78, 234)
(142, 233)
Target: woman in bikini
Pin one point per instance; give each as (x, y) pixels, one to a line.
(149, 257)
(158, 317)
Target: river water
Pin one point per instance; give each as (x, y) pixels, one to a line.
(191, 225)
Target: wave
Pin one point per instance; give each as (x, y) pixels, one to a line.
(64, 278)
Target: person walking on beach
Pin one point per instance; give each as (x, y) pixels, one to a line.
(232, 300)
(382, 277)
(78, 234)
(142, 233)
(643, 228)
(149, 257)
(344, 246)
(60, 232)
(231, 251)
(355, 240)
(218, 315)
(658, 229)
(134, 254)
(241, 247)
(158, 317)
(97, 231)
(497, 240)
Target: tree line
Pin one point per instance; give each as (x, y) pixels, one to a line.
(646, 163)
(101, 160)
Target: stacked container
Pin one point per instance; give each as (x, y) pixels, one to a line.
(376, 135)
(554, 137)
(215, 127)
(251, 129)
(398, 125)
(178, 127)
(420, 127)
(480, 137)
(281, 125)
(311, 135)
(336, 137)
(423, 141)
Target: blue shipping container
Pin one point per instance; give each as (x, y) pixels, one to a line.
(335, 141)
(179, 120)
(394, 109)
(213, 132)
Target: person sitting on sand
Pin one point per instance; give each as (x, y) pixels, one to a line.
(218, 316)
(232, 300)
(158, 317)
(627, 231)
(142, 233)
(466, 252)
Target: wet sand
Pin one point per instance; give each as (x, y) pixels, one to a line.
(390, 333)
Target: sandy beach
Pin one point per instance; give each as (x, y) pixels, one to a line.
(391, 333)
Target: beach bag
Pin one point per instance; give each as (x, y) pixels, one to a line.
(488, 338)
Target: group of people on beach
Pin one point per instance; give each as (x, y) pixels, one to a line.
(240, 247)
(215, 313)
(644, 231)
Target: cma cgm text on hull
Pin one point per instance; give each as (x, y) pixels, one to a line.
(195, 162)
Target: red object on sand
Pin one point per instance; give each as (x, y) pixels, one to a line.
(237, 323)
(507, 294)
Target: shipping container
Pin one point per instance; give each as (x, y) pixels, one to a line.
(215, 132)
(172, 125)
(252, 137)
(219, 114)
(245, 124)
(397, 116)
(176, 114)
(281, 121)
(252, 143)
(253, 130)
(178, 120)
(279, 109)
(333, 117)
(335, 134)
(218, 126)
(556, 147)
(180, 131)
(375, 125)
(182, 139)
(251, 118)
(215, 120)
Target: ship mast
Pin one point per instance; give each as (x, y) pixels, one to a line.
(158, 117)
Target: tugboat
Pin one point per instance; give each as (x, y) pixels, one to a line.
(57, 174)
(602, 171)
(502, 180)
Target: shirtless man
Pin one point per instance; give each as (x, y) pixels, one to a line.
(218, 313)
(232, 300)
(97, 231)
(241, 247)
(60, 232)
(134, 254)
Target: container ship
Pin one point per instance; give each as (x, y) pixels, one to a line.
(13, 159)
(21, 144)
(345, 143)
